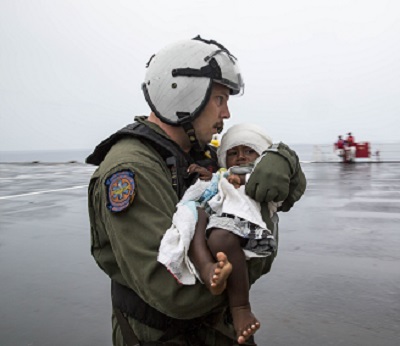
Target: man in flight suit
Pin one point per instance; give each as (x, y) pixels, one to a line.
(141, 176)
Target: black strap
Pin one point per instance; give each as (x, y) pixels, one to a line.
(190, 132)
(212, 70)
(231, 216)
(198, 38)
(128, 301)
(165, 146)
(127, 332)
(176, 159)
(129, 336)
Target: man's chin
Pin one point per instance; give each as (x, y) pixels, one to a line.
(203, 144)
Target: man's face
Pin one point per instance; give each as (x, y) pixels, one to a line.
(240, 155)
(211, 119)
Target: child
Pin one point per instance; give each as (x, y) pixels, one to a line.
(227, 224)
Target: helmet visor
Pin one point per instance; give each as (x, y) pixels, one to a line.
(230, 72)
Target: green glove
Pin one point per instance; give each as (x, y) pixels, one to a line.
(270, 179)
(297, 187)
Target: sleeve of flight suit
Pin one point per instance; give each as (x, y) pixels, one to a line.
(135, 235)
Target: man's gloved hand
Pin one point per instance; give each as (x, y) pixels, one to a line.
(297, 188)
(270, 179)
(277, 177)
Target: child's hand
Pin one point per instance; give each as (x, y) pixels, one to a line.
(236, 180)
(204, 173)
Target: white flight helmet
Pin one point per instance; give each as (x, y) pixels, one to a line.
(179, 78)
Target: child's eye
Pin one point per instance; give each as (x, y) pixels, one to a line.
(231, 153)
(249, 151)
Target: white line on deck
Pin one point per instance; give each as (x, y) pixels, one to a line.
(44, 191)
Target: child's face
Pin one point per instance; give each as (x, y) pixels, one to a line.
(240, 155)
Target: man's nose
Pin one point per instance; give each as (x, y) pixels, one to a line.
(225, 114)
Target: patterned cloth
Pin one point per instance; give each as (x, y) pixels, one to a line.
(218, 197)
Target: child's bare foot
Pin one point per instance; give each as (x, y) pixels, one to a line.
(217, 274)
(245, 322)
(221, 273)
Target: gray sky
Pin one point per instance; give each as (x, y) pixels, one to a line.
(71, 71)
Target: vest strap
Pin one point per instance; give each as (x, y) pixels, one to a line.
(127, 301)
(127, 332)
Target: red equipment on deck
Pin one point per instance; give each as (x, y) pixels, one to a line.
(363, 150)
(359, 150)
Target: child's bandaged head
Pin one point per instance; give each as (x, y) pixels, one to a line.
(250, 135)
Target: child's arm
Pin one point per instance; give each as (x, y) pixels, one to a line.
(204, 173)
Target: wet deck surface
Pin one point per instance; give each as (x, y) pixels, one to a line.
(336, 280)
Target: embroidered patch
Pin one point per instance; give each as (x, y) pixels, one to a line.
(120, 190)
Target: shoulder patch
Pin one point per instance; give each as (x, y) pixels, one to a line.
(120, 190)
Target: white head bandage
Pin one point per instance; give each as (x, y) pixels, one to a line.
(250, 135)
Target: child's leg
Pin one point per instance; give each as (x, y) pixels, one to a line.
(213, 271)
(244, 321)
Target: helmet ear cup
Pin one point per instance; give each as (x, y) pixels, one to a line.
(179, 78)
(182, 97)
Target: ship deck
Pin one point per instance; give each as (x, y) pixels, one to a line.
(336, 280)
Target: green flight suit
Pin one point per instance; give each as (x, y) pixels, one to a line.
(125, 244)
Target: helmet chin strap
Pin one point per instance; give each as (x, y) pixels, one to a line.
(197, 150)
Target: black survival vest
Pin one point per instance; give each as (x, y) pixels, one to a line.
(125, 299)
(176, 159)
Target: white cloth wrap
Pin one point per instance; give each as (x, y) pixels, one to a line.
(235, 201)
(174, 247)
